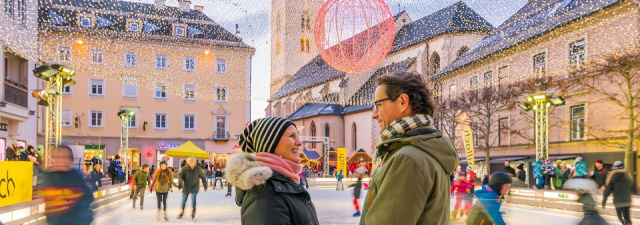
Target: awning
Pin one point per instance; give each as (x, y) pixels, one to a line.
(188, 149)
(502, 160)
(562, 157)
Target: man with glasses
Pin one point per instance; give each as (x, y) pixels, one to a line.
(412, 185)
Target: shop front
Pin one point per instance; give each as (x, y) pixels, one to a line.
(90, 152)
(132, 156)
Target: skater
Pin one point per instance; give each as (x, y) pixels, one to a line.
(162, 184)
(140, 181)
(228, 189)
(487, 209)
(189, 181)
(13, 153)
(621, 185)
(339, 185)
(219, 176)
(66, 194)
(549, 172)
(267, 185)
(113, 170)
(508, 169)
(357, 188)
(94, 178)
(563, 174)
(585, 189)
(580, 168)
(303, 181)
(414, 154)
(599, 175)
(210, 174)
(538, 173)
(521, 174)
(461, 188)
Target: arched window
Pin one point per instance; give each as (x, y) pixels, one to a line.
(278, 46)
(462, 50)
(326, 130)
(354, 135)
(313, 133)
(435, 63)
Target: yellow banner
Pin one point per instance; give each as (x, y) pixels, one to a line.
(467, 138)
(342, 161)
(16, 180)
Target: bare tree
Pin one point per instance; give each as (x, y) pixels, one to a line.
(448, 116)
(482, 106)
(614, 78)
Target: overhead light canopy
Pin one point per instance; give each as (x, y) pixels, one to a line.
(45, 72)
(557, 101)
(126, 113)
(525, 106)
(64, 70)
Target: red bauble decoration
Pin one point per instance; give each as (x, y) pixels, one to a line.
(354, 35)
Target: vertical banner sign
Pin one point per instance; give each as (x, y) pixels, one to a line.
(16, 179)
(467, 138)
(342, 161)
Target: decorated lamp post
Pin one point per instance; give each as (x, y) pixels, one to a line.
(540, 104)
(125, 116)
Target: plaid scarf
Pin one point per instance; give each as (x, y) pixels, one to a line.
(404, 125)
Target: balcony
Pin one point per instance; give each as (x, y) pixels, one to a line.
(15, 93)
(220, 136)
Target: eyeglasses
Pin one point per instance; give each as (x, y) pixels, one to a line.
(375, 104)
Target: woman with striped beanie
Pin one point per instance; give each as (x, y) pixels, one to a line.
(266, 175)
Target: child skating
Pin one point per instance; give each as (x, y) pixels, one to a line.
(357, 187)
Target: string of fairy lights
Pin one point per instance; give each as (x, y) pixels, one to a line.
(103, 29)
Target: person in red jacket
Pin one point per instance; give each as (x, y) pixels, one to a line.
(461, 187)
(470, 174)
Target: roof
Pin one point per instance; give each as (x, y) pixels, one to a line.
(112, 15)
(456, 17)
(314, 109)
(363, 98)
(534, 19)
(311, 155)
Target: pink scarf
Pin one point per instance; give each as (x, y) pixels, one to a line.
(283, 166)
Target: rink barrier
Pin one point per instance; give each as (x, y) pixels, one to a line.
(332, 182)
(32, 212)
(565, 200)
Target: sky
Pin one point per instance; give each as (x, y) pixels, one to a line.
(253, 16)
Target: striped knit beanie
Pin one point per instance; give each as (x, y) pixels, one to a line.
(263, 135)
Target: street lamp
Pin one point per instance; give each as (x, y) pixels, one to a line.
(57, 76)
(540, 104)
(125, 116)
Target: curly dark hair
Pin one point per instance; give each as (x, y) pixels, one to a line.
(412, 84)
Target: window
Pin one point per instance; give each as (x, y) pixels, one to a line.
(96, 87)
(462, 51)
(304, 21)
(8, 7)
(130, 59)
(435, 63)
(326, 130)
(221, 66)
(473, 82)
(221, 94)
(160, 90)
(179, 31)
(189, 122)
(66, 90)
(85, 21)
(278, 46)
(96, 119)
(64, 54)
(133, 26)
(189, 91)
(97, 56)
(488, 78)
(305, 44)
(278, 22)
(189, 63)
(221, 127)
(540, 64)
(452, 92)
(132, 121)
(503, 131)
(160, 121)
(130, 86)
(503, 75)
(474, 132)
(354, 135)
(22, 9)
(577, 122)
(577, 55)
(66, 117)
(161, 61)
(313, 133)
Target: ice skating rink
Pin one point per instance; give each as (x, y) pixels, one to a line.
(334, 207)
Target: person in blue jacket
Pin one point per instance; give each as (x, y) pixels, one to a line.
(538, 173)
(580, 168)
(486, 211)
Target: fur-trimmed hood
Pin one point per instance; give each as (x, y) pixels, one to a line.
(612, 173)
(245, 173)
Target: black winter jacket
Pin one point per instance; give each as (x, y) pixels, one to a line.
(191, 179)
(620, 184)
(357, 188)
(267, 196)
(600, 176)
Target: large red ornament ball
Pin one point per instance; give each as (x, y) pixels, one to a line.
(354, 35)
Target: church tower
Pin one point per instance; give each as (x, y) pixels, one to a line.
(292, 44)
